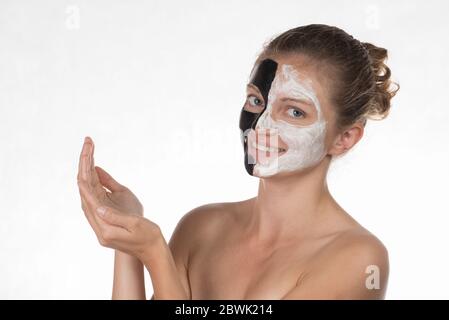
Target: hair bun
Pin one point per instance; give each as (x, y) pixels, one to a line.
(385, 89)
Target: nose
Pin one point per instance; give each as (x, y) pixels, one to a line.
(266, 132)
(267, 137)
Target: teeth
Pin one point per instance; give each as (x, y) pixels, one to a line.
(263, 148)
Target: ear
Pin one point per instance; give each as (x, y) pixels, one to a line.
(346, 139)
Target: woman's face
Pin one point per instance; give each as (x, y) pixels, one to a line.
(285, 118)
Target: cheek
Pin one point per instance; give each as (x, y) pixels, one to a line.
(331, 135)
(329, 116)
(303, 139)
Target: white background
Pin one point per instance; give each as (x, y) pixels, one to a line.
(159, 86)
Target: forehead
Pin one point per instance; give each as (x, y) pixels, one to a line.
(308, 71)
(303, 69)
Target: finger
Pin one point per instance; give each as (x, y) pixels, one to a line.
(79, 164)
(94, 181)
(83, 156)
(108, 181)
(92, 219)
(85, 192)
(89, 198)
(91, 167)
(89, 158)
(87, 163)
(93, 223)
(88, 195)
(113, 217)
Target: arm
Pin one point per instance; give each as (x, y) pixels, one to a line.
(128, 282)
(128, 271)
(115, 214)
(178, 248)
(168, 282)
(128, 277)
(138, 237)
(188, 235)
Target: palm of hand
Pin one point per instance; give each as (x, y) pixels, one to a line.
(113, 211)
(114, 195)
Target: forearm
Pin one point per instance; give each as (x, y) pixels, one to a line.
(128, 277)
(164, 274)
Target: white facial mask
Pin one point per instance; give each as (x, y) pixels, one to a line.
(305, 144)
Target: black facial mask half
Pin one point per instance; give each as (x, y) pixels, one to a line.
(262, 79)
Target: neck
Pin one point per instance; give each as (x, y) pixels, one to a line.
(288, 205)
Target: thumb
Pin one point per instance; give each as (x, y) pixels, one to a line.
(116, 218)
(107, 180)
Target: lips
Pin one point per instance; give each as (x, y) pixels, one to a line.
(264, 152)
(266, 148)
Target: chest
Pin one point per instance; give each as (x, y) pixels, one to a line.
(233, 272)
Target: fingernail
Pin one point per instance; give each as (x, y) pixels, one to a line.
(101, 211)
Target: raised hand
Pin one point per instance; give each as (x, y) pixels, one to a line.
(104, 186)
(113, 211)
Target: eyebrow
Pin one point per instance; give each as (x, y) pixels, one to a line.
(305, 101)
(250, 85)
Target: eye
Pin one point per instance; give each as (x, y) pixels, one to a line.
(254, 101)
(296, 113)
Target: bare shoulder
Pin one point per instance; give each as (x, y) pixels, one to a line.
(191, 232)
(354, 265)
(361, 262)
(205, 221)
(360, 244)
(354, 247)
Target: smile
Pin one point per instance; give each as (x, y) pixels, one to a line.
(264, 148)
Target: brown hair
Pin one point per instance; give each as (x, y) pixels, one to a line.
(363, 89)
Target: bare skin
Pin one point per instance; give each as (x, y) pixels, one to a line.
(121, 226)
(291, 241)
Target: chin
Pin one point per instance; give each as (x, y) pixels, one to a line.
(265, 173)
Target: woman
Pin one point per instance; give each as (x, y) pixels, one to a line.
(310, 93)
